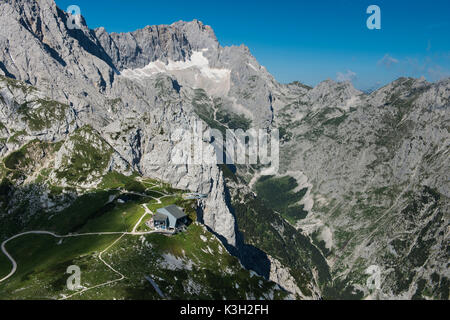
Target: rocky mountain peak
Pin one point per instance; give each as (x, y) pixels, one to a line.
(175, 42)
(330, 93)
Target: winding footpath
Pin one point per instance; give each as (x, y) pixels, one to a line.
(121, 235)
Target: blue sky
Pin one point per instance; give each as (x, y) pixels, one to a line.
(308, 41)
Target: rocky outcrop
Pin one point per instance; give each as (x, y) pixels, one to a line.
(281, 275)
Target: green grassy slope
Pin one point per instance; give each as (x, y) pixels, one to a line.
(189, 265)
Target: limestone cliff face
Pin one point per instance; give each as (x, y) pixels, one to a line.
(27, 113)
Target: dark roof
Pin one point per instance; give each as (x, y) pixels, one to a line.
(173, 210)
(159, 217)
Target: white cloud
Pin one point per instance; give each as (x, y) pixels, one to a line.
(348, 76)
(437, 73)
(433, 67)
(387, 61)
